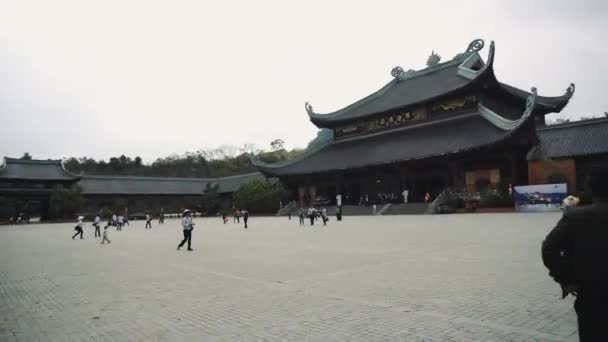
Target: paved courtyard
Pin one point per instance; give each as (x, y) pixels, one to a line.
(386, 278)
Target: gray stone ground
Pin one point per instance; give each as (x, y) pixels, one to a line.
(398, 278)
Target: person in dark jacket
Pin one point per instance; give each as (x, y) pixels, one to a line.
(245, 214)
(576, 252)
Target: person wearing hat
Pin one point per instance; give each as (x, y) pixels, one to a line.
(569, 204)
(78, 228)
(187, 225)
(575, 253)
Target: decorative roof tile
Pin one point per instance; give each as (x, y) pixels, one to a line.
(47, 170)
(574, 139)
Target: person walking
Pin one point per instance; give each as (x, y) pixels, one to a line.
(301, 214)
(311, 215)
(114, 219)
(324, 216)
(245, 214)
(161, 216)
(121, 221)
(96, 224)
(575, 253)
(224, 217)
(187, 226)
(148, 221)
(237, 216)
(78, 228)
(106, 232)
(125, 221)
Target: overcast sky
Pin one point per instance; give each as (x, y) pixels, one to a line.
(100, 79)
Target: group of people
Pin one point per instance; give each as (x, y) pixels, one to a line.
(237, 216)
(96, 225)
(313, 215)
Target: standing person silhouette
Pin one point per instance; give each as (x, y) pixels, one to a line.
(96, 224)
(575, 253)
(161, 217)
(301, 215)
(245, 217)
(148, 221)
(187, 226)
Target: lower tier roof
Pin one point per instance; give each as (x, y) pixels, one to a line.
(463, 133)
(580, 138)
(127, 185)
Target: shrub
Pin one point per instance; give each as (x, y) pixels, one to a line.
(260, 196)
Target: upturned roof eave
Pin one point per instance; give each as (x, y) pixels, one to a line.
(545, 104)
(328, 119)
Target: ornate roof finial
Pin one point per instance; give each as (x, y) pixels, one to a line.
(308, 108)
(397, 71)
(570, 89)
(433, 59)
(475, 45)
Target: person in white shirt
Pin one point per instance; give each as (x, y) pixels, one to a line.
(187, 226)
(120, 222)
(96, 224)
(113, 219)
(148, 221)
(78, 228)
(405, 194)
(106, 232)
(311, 215)
(324, 216)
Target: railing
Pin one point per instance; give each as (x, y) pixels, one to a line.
(289, 207)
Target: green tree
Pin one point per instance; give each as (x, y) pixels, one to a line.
(26, 156)
(260, 196)
(64, 202)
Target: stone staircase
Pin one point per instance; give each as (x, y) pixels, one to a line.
(406, 209)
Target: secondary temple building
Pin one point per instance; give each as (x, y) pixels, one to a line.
(452, 124)
(26, 187)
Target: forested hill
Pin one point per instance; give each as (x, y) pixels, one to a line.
(202, 164)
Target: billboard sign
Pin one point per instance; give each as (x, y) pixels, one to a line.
(538, 198)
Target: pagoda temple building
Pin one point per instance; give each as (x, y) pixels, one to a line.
(452, 124)
(26, 187)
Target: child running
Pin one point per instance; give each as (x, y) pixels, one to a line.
(105, 235)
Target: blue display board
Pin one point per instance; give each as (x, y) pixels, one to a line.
(536, 198)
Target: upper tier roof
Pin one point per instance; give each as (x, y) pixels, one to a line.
(413, 87)
(424, 140)
(46, 170)
(572, 139)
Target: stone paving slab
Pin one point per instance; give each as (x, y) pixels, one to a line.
(379, 278)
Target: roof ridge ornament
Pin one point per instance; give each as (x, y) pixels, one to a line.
(433, 59)
(570, 89)
(475, 46)
(308, 107)
(397, 71)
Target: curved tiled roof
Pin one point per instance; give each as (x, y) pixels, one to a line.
(579, 138)
(130, 185)
(47, 170)
(462, 133)
(429, 84)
